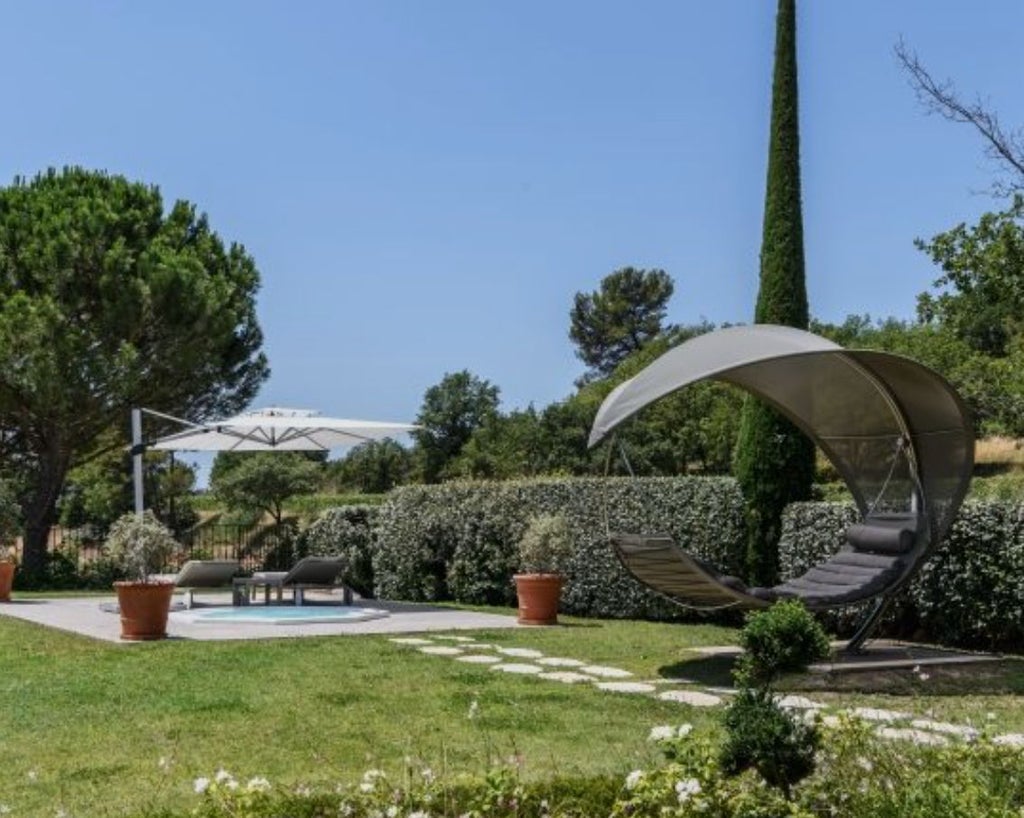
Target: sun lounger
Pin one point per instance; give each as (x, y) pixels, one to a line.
(204, 574)
(307, 573)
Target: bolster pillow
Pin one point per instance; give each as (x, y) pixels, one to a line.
(880, 538)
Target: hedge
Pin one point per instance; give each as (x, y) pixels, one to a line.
(456, 541)
(970, 592)
(348, 531)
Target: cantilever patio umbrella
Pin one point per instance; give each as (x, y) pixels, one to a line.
(272, 429)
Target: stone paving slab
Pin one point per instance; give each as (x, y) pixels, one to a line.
(82, 615)
(878, 654)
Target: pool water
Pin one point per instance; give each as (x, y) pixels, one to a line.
(281, 614)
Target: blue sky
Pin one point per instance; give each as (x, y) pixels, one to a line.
(425, 185)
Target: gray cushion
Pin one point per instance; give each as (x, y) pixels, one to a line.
(881, 536)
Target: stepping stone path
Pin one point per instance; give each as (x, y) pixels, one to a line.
(909, 734)
(521, 653)
(441, 650)
(477, 659)
(694, 698)
(605, 672)
(959, 730)
(568, 677)
(512, 667)
(626, 687)
(799, 703)
(559, 661)
(893, 725)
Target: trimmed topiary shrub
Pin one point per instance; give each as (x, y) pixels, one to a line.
(969, 593)
(347, 531)
(760, 735)
(458, 540)
(785, 638)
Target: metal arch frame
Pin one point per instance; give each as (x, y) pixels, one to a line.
(930, 526)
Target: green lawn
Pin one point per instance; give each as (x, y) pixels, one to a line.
(102, 729)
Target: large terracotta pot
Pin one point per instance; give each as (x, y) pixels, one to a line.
(6, 580)
(538, 598)
(144, 608)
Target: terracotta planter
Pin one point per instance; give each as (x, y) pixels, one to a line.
(6, 580)
(144, 608)
(538, 598)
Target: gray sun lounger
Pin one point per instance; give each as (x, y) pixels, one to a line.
(204, 574)
(307, 573)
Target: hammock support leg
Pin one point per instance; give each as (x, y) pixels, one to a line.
(868, 624)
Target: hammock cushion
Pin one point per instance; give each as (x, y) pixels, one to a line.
(884, 534)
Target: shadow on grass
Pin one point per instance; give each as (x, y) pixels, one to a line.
(710, 671)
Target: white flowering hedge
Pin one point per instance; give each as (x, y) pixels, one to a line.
(350, 532)
(970, 592)
(457, 541)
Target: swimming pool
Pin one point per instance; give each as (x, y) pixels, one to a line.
(278, 615)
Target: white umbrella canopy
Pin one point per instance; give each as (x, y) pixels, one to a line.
(271, 429)
(280, 429)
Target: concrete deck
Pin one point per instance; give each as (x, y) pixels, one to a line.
(84, 616)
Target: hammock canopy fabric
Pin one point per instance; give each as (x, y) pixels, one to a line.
(895, 431)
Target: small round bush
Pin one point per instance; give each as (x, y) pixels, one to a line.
(546, 545)
(763, 736)
(786, 638)
(141, 545)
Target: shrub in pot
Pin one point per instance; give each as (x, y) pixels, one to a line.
(544, 550)
(141, 546)
(8, 531)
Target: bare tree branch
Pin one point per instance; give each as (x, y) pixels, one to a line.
(1005, 148)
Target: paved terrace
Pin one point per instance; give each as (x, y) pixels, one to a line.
(84, 616)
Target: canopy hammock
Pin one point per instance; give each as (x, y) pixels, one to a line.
(896, 431)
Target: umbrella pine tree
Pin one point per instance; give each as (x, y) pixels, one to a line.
(774, 460)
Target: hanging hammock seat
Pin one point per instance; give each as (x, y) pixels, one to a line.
(897, 433)
(876, 554)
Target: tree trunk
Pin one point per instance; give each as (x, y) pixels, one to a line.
(41, 509)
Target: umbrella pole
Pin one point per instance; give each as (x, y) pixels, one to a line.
(137, 449)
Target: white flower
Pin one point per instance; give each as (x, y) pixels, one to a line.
(258, 784)
(474, 709)
(303, 789)
(392, 811)
(33, 775)
(201, 785)
(370, 779)
(164, 763)
(4, 809)
(222, 775)
(865, 764)
(428, 774)
(661, 732)
(990, 716)
(686, 788)
(633, 779)
(684, 730)
(419, 814)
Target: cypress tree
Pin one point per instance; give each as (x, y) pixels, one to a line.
(774, 460)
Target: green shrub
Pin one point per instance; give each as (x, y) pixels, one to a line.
(785, 638)
(141, 545)
(458, 540)
(970, 592)
(347, 531)
(546, 545)
(761, 735)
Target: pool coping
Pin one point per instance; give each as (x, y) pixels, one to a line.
(83, 616)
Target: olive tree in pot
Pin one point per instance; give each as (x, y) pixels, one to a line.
(8, 531)
(142, 545)
(544, 552)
